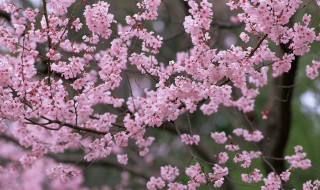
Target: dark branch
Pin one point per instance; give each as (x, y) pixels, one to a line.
(74, 158)
(277, 127)
(5, 15)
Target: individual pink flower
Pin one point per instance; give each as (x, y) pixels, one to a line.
(76, 24)
(53, 55)
(122, 159)
(218, 183)
(223, 157)
(244, 37)
(219, 137)
(285, 175)
(306, 19)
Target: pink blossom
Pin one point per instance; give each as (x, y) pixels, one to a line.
(98, 19)
(155, 183)
(31, 14)
(255, 136)
(62, 172)
(77, 24)
(190, 140)
(285, 175)
(70, 70)
(254, 176)
(122, 159)
(99, 148)
(176, 186)
(79, 106)
(246, 158)
(232, 147)
(298, 160)
(121, 139)
(54, 55)
(219, 137)
(169, 173)
(60, 6)
(282, 65)
(312, 71)
(150, 7)
(306, 19)
(6, 70)
(244, 37)
(218, 172)
(223, 157)
(238, 132)
(196, 175)
(309, 185)
(272, 182)
(218, 183)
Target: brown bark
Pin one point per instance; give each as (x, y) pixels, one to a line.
(5, 15)
(277, 127)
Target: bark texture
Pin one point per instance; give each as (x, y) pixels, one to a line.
(278, 125)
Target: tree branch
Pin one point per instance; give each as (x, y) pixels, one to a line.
(5, 15)
(75, 158)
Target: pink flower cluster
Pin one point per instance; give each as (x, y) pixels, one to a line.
(302, 36)
(198, 24)
(169, 173)
(309, 185)
(298, 160)
(272, 182)
(197, 177)
(47, 113)
(60, 6)
(255, 136)
(219, 137)
(312, 71)
(254, 176)
(155, 183)
(74, 67)
(246, 158)
(63, 172)
(98, 19)
(218, 175)
(100, 148)
(150, 8)
(190, 139)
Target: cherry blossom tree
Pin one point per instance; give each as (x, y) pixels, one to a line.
(64, 107)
